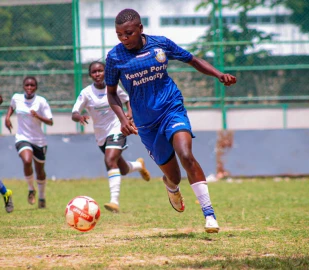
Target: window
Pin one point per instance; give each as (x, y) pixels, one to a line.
(228, 20)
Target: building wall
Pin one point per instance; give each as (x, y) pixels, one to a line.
(201, 120)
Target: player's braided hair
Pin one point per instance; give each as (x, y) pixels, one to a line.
(127, 15)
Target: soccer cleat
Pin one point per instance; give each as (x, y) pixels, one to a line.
(176, 200)
(113, 207)
(31, 196)
(211, 225)
(8, 202)
(42, 203)
(145, 174)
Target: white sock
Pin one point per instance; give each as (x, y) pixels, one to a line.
(30, 180)
(172, 190)
(134, 166)
(114, 179)
(202, 194)
(41, 187)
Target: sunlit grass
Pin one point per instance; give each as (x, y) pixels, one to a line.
(264, 225)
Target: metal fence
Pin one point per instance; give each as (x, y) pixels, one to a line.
(44, 40)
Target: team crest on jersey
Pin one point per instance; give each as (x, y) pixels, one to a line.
(160, 55)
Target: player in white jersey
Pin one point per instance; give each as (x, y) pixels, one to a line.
(31, 110)
(107, 132)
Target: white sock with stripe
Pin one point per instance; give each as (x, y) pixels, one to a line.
(202, 194)
(114, 179)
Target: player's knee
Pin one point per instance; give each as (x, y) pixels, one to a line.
(27, 163)
(188, 161)
(111, 163)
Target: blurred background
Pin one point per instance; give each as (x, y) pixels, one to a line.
(257, 127)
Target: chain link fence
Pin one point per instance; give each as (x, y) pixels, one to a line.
(46, 41)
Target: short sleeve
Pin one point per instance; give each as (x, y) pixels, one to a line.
(81, 103)
(111, 72)
(13, 102)
(174, 52)
(124, 97)
(46, 109)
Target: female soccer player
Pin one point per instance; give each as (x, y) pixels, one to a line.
(107, 132)
(30, 141)
(140, 63)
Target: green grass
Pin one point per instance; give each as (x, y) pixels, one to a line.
(264, 225)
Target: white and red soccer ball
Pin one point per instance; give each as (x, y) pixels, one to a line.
(82, 213)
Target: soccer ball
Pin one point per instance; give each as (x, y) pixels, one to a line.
(82, 213)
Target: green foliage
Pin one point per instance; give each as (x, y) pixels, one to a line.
(300, 13)
(36, 25)
(246, 51)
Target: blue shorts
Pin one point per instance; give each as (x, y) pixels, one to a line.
(158, 139)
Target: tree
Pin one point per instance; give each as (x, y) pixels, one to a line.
(35, 25)
(244, 52)
(300, 9)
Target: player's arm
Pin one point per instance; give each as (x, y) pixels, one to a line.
(129, 113)
(1, 99)
(206, 68)
(127, 126)
(78, 107)
(8, 123)
(45, 120)
(82, 119)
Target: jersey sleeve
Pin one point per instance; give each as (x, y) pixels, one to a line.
(111, 71)
(81, 103)
(124, 97)
(174, 52)
(46, 109)
(13, 102)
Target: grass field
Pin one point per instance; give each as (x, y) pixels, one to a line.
(264, 225)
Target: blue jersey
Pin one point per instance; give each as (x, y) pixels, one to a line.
(143, 73)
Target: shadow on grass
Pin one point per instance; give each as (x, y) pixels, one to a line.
(229, 263)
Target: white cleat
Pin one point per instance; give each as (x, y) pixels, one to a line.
(211, 225)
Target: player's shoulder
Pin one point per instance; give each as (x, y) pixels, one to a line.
(86, 90)
(41, 99)
(156, 38)
(18, 96)
(116, 50)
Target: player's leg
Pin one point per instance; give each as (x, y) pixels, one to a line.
(39, 156)
(127, 167)
(171, 179)
(112, 156)
(7, 196)
(162, 152)
(182, 143)
(25, 152)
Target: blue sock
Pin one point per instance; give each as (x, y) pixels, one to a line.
(2, 188)
(208, 211)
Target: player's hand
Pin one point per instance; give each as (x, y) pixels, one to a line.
(83, 119)
(129, 115)
(34, 114)
(1, 99)
(227, 79)
(128, 127)
(8, 125)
